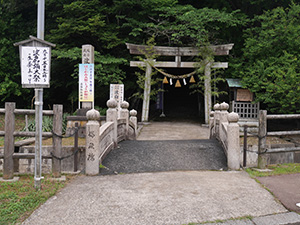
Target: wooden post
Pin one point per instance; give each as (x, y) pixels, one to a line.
(57, 141)
(147, 90)
(76, 148)
(8, 166)
(262, 137)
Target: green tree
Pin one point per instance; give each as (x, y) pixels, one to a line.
(184, 25)
(270, 67)
(16, 23)
(78, 23)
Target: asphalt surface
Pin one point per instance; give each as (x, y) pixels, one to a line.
(286, 188)
(159, 156)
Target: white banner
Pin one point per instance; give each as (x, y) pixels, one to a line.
(35, 67)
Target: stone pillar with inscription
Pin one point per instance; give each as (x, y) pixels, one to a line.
(117, 93)
(112, 116)
(92, 142)
(87, 58)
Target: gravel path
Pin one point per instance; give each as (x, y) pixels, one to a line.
(158, 156)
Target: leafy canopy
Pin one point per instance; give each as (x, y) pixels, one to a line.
(271, 66)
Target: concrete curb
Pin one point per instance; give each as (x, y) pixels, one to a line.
(289, 218)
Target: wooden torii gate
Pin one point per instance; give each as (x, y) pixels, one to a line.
(178, 52)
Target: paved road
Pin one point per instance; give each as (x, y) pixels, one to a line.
(286, 188)
(162, 198)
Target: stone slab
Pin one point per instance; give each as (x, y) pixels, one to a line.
(15, 179)
(290, 218)
(60, 179)
(233, 222)
(173, 131)
(157, 198)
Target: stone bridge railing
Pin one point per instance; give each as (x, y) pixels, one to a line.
(224, 127)
(101, 140)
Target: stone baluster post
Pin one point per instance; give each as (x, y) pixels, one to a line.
(233, 142)
(211, 125)
(125, 115)
(216, 120)
(133, 119)
(112, 116)
(92, 147)
(223, 114)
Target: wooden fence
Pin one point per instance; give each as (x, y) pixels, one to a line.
(9, 138)
(263, 133)
(246, 110)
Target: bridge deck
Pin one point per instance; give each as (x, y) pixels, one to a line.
(157, 156)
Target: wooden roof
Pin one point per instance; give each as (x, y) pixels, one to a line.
(36, 40)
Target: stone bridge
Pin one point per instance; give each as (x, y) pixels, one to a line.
(165, 146)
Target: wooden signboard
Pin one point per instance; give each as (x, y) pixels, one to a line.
(244, 95)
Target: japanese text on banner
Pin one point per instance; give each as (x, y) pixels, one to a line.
(86, 82)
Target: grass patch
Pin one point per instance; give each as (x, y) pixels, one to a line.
(19, 199)
(278, 169)
(20, 125)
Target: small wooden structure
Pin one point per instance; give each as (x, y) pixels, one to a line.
(241, 100)
(177, 52)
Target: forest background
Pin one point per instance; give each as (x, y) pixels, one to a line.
(265, 34)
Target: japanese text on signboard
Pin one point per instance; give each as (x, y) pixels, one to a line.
(35, 66)
(86, 82)
(117, 92)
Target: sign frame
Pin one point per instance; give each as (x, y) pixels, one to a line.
(37, 64)
(86, 83)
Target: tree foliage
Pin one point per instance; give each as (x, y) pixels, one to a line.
(270, 66)
(268, 62)
(15, 24)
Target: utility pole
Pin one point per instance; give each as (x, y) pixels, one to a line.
(39, 105)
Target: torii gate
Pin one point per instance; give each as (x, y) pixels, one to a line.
(178, 52)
